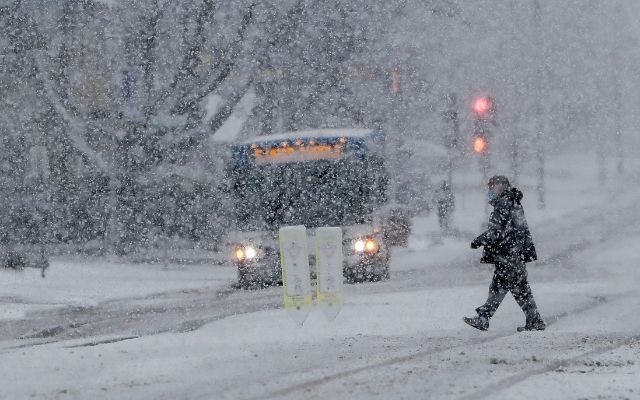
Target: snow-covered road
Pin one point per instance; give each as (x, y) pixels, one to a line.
(188, 336)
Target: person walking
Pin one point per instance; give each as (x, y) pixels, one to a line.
(507, 243)
(445, 203)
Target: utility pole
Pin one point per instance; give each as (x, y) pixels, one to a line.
(619, 114)
(602, 125)
(396, 130)
(451, 138)
(539, 109)
(513, 116)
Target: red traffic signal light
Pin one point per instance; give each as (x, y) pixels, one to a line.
(481, 106)
(479, 144)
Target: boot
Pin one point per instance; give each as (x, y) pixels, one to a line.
(479, 322)
(536, 325)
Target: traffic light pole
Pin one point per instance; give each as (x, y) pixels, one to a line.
(540, 187)
(485, 166)
(451, 138)
(395, 131)
(618, 114)
(540, 161)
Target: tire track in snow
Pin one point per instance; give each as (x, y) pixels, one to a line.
(303, 386)
(508, 382)
(176, 312)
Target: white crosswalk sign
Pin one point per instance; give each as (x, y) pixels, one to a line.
(296, 281)
(329, 270)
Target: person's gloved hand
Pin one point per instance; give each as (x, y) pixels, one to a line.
(475, 244)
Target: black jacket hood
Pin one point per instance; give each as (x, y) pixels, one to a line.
(516, 194)
(510, 194)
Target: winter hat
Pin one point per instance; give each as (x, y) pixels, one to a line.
(498, 183)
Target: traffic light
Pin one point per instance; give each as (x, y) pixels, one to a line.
(482, 106)
(484, 112)
(479, 143)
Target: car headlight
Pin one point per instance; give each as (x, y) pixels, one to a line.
(245, 253)
(366, 245)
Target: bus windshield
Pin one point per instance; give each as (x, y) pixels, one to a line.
(314, 193)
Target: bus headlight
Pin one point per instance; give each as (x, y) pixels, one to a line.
(370, 246)
(365, 245)
(250, 252)
(247, 253)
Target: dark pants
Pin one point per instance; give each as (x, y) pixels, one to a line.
(510, 276)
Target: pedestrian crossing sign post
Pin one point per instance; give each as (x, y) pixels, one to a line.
(296, 280)
(296, 271)
(329, 271)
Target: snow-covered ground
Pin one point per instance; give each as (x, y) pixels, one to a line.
(141, 332)
(88, 282)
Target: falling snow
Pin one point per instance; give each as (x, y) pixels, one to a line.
(151, 152)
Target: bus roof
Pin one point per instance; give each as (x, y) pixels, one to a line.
(314, 134)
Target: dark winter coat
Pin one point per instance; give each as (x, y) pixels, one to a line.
(508, 234)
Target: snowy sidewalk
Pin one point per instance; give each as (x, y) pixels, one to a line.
(88, 282)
